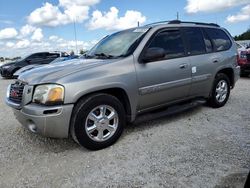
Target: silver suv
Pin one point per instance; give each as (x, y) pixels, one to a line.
(125, 75)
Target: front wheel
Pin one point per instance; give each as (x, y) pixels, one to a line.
(97, 121)
(220, 91)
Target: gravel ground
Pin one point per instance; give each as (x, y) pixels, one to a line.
(202, 147)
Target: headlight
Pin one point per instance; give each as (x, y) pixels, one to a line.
(48, 94)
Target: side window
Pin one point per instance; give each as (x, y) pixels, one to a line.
(35, 56)
(220, 39)
(171, 41)
(52, 55)
(195, 40)
(208, 43)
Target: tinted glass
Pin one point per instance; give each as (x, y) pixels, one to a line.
(208, 43)
(220, 39)
(38, 55)
(171, 42)
(195, 40)
(52, 55)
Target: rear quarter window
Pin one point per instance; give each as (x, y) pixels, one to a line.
(219, 38)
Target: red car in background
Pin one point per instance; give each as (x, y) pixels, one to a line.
(243, 59)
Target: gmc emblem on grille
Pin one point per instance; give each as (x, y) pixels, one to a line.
(13, 93)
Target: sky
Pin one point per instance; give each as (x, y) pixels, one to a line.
(28, 26)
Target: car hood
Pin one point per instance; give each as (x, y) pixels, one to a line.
(26, 68)
(8, 64)
(53, 72)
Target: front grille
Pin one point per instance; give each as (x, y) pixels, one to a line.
(16, 92)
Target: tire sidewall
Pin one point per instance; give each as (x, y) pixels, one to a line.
(214, 101)
(80, 118)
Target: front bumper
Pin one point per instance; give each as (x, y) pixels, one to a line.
(52, 121)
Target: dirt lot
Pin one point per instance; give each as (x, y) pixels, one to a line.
(202, 147)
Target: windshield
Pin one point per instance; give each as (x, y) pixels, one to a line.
(59, 59)
(120, 44)
(23, 58)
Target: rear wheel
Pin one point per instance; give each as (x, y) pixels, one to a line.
(220, 91)
(97, 121)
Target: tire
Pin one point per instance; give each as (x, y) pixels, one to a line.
(220, 91)
(97, 121)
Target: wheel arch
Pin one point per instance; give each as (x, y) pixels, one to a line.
(229, 72)
(117, 92)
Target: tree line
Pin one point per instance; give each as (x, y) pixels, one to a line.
(243, 36)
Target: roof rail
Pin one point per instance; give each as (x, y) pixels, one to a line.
(197, 23)
(180, 22)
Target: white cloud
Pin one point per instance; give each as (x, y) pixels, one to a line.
(67, 11)
(53, 43)
(22, 44)
(243, 15)
(76, 13)
(67, 3)
(10, 44)
(37, 35)
(27, 30)
(55, 38)
(195, 6)
(47, 15)
(111, 21)
(8, 33)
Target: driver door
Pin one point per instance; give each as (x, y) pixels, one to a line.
(168, 79)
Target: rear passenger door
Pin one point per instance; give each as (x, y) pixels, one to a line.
(167, 79)
(205, 48)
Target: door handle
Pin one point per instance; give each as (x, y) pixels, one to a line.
(183, 66)
(215, 60)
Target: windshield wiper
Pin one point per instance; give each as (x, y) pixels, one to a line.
(103, 55)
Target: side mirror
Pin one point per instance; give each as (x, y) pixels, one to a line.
(153, 54)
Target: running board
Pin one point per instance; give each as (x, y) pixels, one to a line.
(169, 110)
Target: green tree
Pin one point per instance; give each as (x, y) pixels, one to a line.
(82, 51)
(243, 36)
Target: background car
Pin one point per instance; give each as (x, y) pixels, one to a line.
(7, 70)
(243, 59)
(30, 67)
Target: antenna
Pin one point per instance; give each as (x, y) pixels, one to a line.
(75, 35)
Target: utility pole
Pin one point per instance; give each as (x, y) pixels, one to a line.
(138, 24)
(177, 15)
(75, 35)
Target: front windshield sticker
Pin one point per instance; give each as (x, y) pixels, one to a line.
(141, 30)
